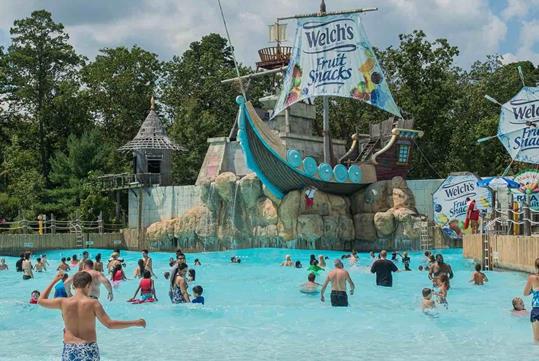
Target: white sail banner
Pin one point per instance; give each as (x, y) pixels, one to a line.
(333, 57)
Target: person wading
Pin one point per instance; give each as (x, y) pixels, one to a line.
(383, 269)
(338, 278)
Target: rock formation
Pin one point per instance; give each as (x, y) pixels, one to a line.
(243, 213)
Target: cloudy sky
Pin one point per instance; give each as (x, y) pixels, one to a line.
(166, 27)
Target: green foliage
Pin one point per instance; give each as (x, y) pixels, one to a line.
(62, 119)
(119, 85)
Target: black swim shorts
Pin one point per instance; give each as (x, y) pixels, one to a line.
(534, 315)
(339, 299)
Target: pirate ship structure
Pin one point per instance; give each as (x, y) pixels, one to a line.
(331, 57)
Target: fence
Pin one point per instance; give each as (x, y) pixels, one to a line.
(52, 226)
(510, 252)
(13, 244)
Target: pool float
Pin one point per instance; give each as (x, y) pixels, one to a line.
(310, 290)
(136, 301)
(314, 269)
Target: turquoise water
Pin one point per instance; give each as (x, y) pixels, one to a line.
(254, 311)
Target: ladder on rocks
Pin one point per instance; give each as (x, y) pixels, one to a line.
(367, 150)
(424, 238)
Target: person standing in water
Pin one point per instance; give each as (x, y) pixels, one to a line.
(532, 288)
(85, 256)
(79, 314)
(98, 279)
(338, 278)
(148, 263)
(27, 267)
(383, 269)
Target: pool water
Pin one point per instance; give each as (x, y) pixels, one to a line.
(254, 311)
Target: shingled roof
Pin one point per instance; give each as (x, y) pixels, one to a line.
(151, 135)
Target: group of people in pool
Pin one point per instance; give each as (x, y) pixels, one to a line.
(439, 273)
(81, 309)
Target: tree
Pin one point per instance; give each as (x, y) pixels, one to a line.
(120, 83)
(196, 101)
(40, 63)
(84, 157)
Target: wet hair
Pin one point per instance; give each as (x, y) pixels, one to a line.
(27, 256)
(81, 279)
(515, 301)
(197, 261)
(38, 259)
(198, 290)
(180, 267)
(69, 258)
(478, 267)
(298, 264)
(65, 276)
(36, 292)
(427, 253)
(74, 258)
(338, 263)
(179, 251)
(426, 292)
(311, 277)
(147, 274)
(439, 258)
(312, 259)
(89, 263)
(238, 260)
(63, 259)
(98, 257)
(117, 250)
(383, 253)
(467, 199)
(145, 251)
(167, 275)
(192, 274)
(232, 259)
(141, 266)
(420, 268)
(85, 253)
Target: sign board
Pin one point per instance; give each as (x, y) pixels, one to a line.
(449, 202)
(332, 56)
(529, 185)
(28, 244)
(89, 243)
(117, 241)
(517, 127)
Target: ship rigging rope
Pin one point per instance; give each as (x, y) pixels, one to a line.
(233, 54)
(427, 160)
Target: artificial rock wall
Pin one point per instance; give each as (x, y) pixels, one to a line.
(239, 213)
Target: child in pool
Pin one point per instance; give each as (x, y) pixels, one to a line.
(197, 262)
(310, 286)
(197, 292)
(118, 274)
(3, 265)
(427, 303)
(298, 264)
(518, 307)
(146, 288)
(443, 287)
(478, 277)
(406, 261)
(34, 296)
(191, 275)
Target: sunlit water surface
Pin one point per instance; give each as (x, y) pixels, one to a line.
(254, 311)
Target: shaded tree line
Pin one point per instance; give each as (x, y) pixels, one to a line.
(63, 116)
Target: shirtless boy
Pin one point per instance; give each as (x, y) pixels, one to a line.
(478, 277)
(338, 278)
(79, 314)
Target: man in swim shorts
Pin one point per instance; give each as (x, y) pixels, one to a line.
(79, 314)
(98, 279)
(338, 278)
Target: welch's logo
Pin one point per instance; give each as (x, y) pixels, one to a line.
(459, 190)
(327, 36)
(524, 110)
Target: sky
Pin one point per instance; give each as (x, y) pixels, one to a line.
(167, 27)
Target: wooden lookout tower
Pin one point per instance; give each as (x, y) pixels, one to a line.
(152, 152)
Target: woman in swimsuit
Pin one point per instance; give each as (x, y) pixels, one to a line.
(532, 288)
(178, 285)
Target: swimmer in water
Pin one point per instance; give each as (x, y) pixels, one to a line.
(287, 261)
(146, 288)
(310, 286)
(3, 265)
(63, 265)
(321, 261)
(197, 262)
(197, 292)
(518, 307)
(353, 258)
(406, 261)
(39, 266)
(298, 264)
(427, 303)
(59, 288)
(338, 278)
(443, 284)
(478, 277)
(34, 297)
